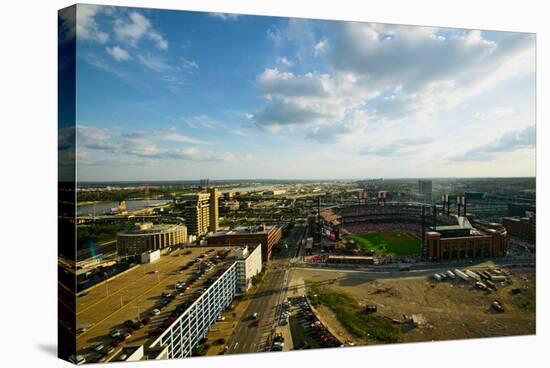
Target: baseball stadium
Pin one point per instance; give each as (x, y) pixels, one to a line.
(412, 229)
(388, 229)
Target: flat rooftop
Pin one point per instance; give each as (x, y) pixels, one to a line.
(137, 292)
(244, 230)
(155, 228)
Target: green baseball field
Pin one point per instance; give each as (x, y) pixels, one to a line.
(390, 243)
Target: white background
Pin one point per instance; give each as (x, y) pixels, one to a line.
(28, 144)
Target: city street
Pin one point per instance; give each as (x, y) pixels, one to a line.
(251, 338)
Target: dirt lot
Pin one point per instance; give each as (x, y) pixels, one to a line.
(446, 310)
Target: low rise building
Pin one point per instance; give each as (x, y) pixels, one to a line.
(150, 256)
(267, 236)
(276, 192)
(149, 237)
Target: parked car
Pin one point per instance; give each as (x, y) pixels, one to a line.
(98, 346)
(155, 312)
(137, 325)
(77, 359)
(108, 349)
(116, 343)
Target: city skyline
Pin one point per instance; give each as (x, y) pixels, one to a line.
(166, 95)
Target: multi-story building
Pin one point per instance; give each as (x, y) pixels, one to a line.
(267, 236)
(466, 241)
(249, 264)
(524, 228)
(182, 337)
(197, 213)
(312, 225)
(229, 206)
(425, 189)
(148, 237)
(213, 210)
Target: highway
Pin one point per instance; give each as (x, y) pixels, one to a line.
(248, 337)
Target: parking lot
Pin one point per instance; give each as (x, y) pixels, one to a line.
(136, 306)
(306, 330)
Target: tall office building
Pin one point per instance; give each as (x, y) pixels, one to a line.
(213, 211)
(425, 189)
(197, 213)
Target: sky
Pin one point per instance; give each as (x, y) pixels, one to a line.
(176, 95)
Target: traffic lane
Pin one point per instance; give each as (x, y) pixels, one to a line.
(251, 338)
(248, 337)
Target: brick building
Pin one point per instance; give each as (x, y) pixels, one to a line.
(466, 241)
(268, 236)
(524, 228)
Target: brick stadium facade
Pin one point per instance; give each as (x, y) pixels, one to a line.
(481, 241)
(268, 236)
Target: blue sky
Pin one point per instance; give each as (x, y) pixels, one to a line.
(167, 95)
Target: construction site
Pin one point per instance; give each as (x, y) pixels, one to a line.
(359, 308)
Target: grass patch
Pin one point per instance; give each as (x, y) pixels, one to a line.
(390, 243)
(369, 326)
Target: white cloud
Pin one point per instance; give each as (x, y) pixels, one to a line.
(188, 65)
(201, 122)
(152, 144)
(275, 83)
(434, 72)
(224, 16)
(508, 142)
(158, 39)
(135, 28)
(284, 61)
(86, 26)
(400, 72)
(118, 53)
(398, 147)
(314, 100)
(155, 63)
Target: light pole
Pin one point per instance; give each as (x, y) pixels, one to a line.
(138, 312)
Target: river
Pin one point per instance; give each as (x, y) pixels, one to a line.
(105, 207)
